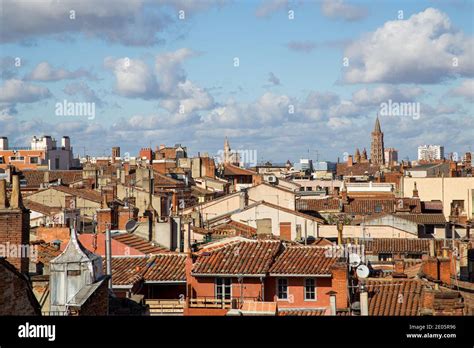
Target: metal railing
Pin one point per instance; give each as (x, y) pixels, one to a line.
(165, 307)
(54, 313)
(213, 302)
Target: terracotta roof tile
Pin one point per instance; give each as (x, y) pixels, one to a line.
(317, 204)
(394, 297)
(139, 243)
(155, 268)
(166, 268)
(303, 260)
(87, 194)
(34, 178)
(236, 257)
(230, 170)
(41, 208)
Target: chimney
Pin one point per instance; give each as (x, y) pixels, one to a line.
(15, 200)
(432, 247)
(350, 161)
(364, 302)
(340, 227)
(3, 194)
(332, 301)
(415, 192)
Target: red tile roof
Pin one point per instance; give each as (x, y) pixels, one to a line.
(87, 194)
(359, 205)
(228, 229)
(398, 245)
(41, 208)
(394, 297)
(317, 204)
(237, 256)
(138, 243)
(34, 178)
(46, 252)
(297, 260)
(167, 268)
(424, 219)
(127, 270)
(380, 205)
(231, 170)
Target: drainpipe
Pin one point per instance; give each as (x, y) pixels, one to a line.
(108, 254)
(364, 301)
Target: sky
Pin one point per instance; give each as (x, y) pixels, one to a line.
(287, 79)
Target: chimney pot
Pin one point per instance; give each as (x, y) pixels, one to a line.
(3, 194)
(16, 194)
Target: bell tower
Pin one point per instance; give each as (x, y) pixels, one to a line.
(377, 146)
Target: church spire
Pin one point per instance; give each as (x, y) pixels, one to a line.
(377, 128)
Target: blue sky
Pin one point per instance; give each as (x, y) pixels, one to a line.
(180, 84)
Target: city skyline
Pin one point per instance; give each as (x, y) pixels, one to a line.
(160, 73)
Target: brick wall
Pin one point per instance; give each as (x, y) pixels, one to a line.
(104, 217)
(339, 284)
(15, 230)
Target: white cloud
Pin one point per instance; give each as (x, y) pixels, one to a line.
(422, 49)
(45, 72)
(465, 90)
(128, 22)
(302, 46)
(133, 78)
(377, 95)
(339, 9)
(18, 91)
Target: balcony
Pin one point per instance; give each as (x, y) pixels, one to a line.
(165, 307)
(219, 303)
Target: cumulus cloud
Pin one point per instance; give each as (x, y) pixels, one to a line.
(18, 91)
(339, 9)
(425, 48)
(167, 83)
(45, 72)
(133, 78)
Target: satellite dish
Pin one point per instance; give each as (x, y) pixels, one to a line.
(362, 271)
(131, 225)
(354, 260)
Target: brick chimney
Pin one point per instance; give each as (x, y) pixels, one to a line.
(350, 161)
(339, 284)
(15, 224)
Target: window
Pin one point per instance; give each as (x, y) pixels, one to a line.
(378, 208)
(223, 288)
(34, 160)
(1, 160)
(309, 289)
(282, 289)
